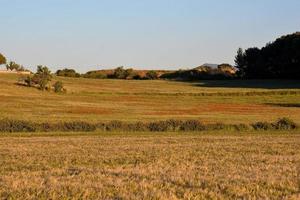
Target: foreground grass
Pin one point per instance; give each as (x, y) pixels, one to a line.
(205, 165)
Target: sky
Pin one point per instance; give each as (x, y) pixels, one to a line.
(143, 34)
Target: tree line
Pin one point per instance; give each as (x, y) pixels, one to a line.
(277, 60)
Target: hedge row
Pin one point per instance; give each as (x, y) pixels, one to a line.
(7, 125)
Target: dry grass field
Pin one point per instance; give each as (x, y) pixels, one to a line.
(150, 166)
(104, 100)
(112, 165)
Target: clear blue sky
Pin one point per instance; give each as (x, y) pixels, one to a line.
(170, 34)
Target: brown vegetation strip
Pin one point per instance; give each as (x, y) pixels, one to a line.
(254, 93)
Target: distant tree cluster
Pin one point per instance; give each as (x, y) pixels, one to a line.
(67, 73)
(95, 75)
(12, 66)
(223, 71)
(15, 67)
(122, 73)
(42, 79)
(277, 60)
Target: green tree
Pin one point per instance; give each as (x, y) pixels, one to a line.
(14, 66)
(120, 73)
(240, 62)
(67, 73)
(42, 77)
(151, 75)
(2, 59)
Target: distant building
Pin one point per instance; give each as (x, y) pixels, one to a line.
(216, 68)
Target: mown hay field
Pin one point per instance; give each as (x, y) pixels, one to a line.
(126, 165)
(205, 165)
(92, 100)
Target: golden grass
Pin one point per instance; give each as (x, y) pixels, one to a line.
(151, 166)
(105, 100)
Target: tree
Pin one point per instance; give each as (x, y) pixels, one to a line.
(279, 59)
(67, 73)
(119, 73)
(240, 62)
(14, 66)
(42, 77)
(2, 59)
(151, 75)
(129, 73)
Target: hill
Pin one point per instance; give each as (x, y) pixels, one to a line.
(94, 100)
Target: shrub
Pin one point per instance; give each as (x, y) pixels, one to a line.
(217, 126)
(95, 75)
(240, 127)
(42, 77)
(151, 75)
(101, 126)
(158, 126)
(7, 125)
(137, 77)
(263, 126)
(28, 80)
(76, 126)
(285, 124)
(138, 126)
(59, 87)
(116, 126)
(192, 125)
(120, 73)
(67, 73)
(174, 125)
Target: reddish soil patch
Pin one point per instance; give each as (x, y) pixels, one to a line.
(89, 110)
(223, 108)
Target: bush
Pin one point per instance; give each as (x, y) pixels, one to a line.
(263, 126)
(138, 126)
(192, 125)
(67, 73)
(95, 75)
(159, 126)
(217, 126)
(174, 125)
(29, 81)
(116, 126)
(7, 125)
(285, 124)
(151, 75)
(59, 87)
(78, 126)
(240, 127)
(42, 77)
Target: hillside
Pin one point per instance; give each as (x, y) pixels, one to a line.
(92, 100)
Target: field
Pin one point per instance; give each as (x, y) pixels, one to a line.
(149, 166)
(141, 165)
(104, 100)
